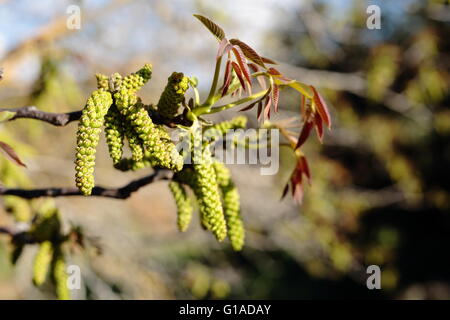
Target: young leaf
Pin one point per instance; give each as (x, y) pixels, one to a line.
(212, 27)
(304, 134)
(268, 103)
(319, 126)
(242, 63)
(239, 74)
(275, 97)
(226, 78)
(11, 153)
(305, 168)
(248, 52)
(321, 107)
(224, 47)
(259, 113)
(250, 106)
(268, 61)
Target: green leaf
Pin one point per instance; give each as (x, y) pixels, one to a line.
(6, 115)
(214, 28)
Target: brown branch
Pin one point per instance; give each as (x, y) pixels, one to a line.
(32, 112)
(98, 191)
(62, 119)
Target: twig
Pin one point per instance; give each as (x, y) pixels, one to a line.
(62, 119)
(32, 112)
(98, 191)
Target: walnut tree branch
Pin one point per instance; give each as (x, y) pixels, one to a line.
(62, 119)
(116, 193)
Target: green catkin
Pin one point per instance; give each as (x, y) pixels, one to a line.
(173, 95)
(135, 144)
(135, 113)
(184, 205)
(207, 192)
(42, 262)
(89, 128)
(59, 275)
(114, 133)
(231, 206)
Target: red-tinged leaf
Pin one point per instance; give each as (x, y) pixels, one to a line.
(321, 107)
(242, 63)
(268, 103)
(275, 97)
(11, 153)
(250, 106)
(253, 66)
(212, 27)
(260, 107)
(274, 72)
(285, 191)
(226, 78)
(297, 193)
(268, 61)
(319, 126)
(305, 168)
(224, 47)
(238, 71)
(248, 52)
(304, 134)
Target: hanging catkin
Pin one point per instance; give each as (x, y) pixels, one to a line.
(183, 203)
(89, 128)
(231, 206)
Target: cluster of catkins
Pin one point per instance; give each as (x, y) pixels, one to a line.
(116, 106)
(210, 180)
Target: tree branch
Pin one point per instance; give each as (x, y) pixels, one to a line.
(62, 119)
(98, 191)
(32, 112)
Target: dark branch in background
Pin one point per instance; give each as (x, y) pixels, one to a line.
(116, 193)
(56, 119)
(62, 119)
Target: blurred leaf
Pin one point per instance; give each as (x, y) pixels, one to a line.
(11, 153)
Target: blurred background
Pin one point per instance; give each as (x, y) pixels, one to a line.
(380, 191)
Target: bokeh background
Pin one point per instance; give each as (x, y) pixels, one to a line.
(380, 192)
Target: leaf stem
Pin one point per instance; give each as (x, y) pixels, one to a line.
(238, 102)
(206, 106)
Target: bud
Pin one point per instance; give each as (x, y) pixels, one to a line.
(173, 95)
